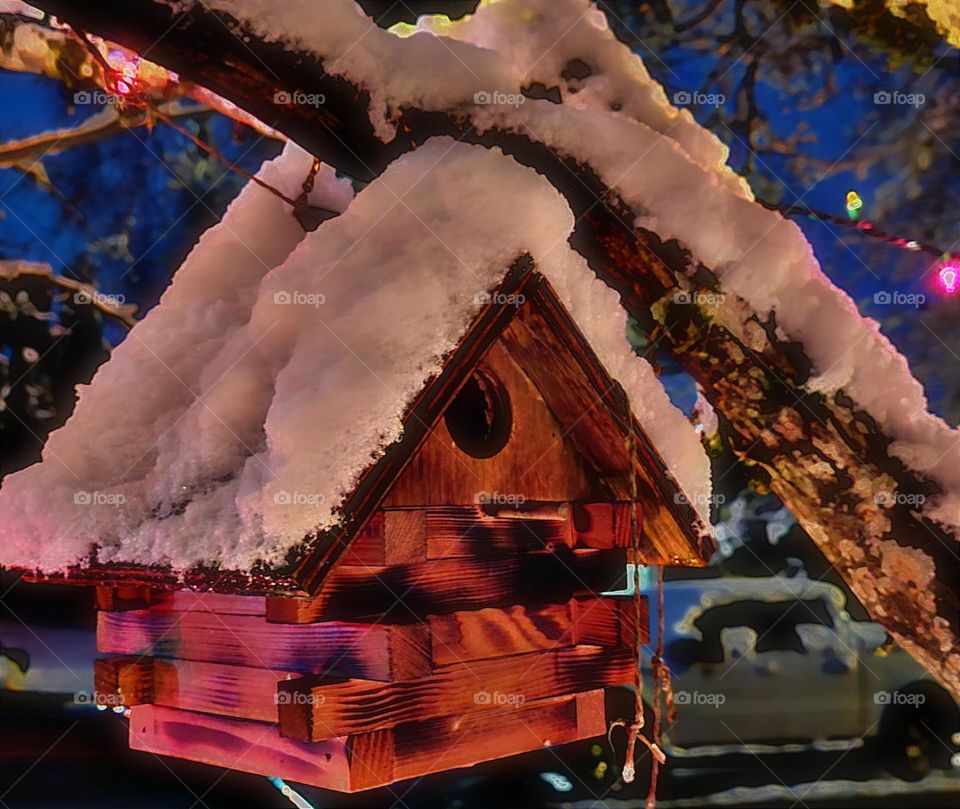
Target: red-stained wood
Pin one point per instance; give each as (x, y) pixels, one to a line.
(465, 531)
(123, 681)
(315, 708)
(371, 759)
(242, 692)
(364, 761)
(460, 741)
(355, 650)
(609, 621)
(605, 525)
(127, 597)
(491, 632)
(403, 593)
(404, 536)
(367, 547)
(238, 745)
(591, 714)
(410, 651)
(119, 599)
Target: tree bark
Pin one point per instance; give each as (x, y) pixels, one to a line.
(828, 460)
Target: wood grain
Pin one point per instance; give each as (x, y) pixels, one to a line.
(464, 531)
(405, 593)
(461, 741)
(237, 745)
(354, 650)
(491, 632)
(367, 760)
(313, 708)
(123, 681)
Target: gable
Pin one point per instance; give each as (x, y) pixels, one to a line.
(538, 461)
(573, 435)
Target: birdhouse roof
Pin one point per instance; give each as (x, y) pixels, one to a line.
(252, 423)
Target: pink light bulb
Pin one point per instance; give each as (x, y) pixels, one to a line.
(949, 276)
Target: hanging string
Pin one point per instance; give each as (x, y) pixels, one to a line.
(635, 727)
(664, 688)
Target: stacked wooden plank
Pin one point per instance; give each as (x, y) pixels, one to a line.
(445, 637)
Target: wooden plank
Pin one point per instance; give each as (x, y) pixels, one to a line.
(371, 759)
(410, 650)
(118, 599)
(401, 593)
(591, 714)
(487, 633)
(121, 598)
(609, 621)
(605, 525)
(367, 547)
(404, 536)
(314, 708)
(458, 531)
(220, 603)
(463, 531)
(241, 692)
(236, 745)
(461, 741)
(123, 681)
(356, 650)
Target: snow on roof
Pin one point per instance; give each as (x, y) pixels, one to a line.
(236, 417)
(670, 170)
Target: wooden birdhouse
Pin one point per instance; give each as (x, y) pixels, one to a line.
(455, 615)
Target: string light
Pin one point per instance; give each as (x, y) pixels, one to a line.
(948, 277)
(948, 270)
(290, 793)
(854, 204)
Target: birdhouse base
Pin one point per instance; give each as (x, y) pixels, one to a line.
(367, 760)
(487, 655)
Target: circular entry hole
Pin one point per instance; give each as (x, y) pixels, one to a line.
(479, 418)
